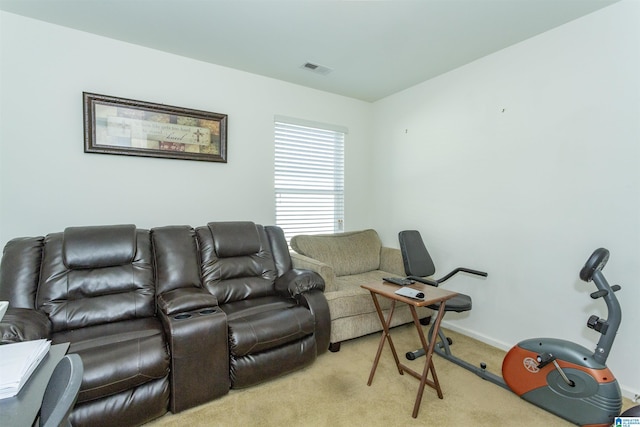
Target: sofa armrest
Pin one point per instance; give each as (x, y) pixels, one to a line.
(24, 324)
(296, 281)
(391, 261)
(184, 300)
(324, 270)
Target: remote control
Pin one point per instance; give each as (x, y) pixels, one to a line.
(410, 293)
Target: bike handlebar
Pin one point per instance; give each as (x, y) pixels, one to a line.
(464, 270)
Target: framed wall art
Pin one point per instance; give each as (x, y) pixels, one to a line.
(137, 128)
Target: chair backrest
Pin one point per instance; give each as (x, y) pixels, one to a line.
(416, 258)
(61, 392)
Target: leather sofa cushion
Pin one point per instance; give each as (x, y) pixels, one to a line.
(256, 368)
(235, 278)
(235, 238)
(347, 253)
(133, 407)
(20, 271)
(23, 324)
(77, 298)
(98, 246)
(118, 356)
(176, 258)
(259, 324)
(185, 299)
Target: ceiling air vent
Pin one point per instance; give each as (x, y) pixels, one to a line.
(318, 69)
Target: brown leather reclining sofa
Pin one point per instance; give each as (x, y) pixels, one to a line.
(167, 318)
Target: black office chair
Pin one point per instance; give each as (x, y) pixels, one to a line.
(419, 266)
(61, 392)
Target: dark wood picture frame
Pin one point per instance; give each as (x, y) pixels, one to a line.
(137, 128)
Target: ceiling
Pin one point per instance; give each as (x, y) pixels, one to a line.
(371, 49)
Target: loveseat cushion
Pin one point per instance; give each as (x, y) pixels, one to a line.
(118, 356)
(348, 253)
(99, 246)
(260, 324)
(232, 269)
(81, 296)
(233, 239)
(351, 299)
(253, 369)
(20, 271)
(23, 324)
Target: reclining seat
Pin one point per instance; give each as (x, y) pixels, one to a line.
(278, 319)
(97, 289)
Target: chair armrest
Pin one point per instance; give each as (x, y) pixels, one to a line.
(325, 271)
(24, 324)
(185, 299)
(296, 281)
(391, 261)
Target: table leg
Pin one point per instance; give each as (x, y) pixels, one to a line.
(428, 366)
(386, 336)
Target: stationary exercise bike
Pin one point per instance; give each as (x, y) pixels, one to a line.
(560, 376)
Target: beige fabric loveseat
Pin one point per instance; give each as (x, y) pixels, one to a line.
(345, 261)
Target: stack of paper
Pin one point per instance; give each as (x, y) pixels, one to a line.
(17, 363)
(3, 307)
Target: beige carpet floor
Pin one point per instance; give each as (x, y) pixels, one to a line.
(333, 391)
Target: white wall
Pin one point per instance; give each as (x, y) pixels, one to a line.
(529, 192)
(48, 183)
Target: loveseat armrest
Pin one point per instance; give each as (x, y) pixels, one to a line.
(185, 300)
(296, 281)
(307, 287)
(24, 324)
(391, 261)
(196, 331)
(317, 303)
(325, 271)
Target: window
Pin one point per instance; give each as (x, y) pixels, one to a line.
(309, 177)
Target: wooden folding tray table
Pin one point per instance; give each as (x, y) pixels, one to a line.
(432, 295)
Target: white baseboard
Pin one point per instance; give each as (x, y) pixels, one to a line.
(480, 337)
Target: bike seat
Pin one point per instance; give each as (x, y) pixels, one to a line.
(459, 303)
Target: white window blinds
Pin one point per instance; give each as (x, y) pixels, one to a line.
(309, 179)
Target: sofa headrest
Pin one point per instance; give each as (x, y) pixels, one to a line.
(99, 246)
(234, 238)
(347, 253)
